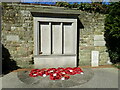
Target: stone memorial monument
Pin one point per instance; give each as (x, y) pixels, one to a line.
(55, 38)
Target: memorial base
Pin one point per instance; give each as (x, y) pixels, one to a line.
(49, 61)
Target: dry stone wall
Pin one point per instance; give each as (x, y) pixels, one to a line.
(17, 35)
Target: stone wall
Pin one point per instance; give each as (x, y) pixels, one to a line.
(92, 38)
(17, 34)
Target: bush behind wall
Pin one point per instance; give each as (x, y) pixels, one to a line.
(112, 32)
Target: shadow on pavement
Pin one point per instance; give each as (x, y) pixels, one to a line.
(7, 63)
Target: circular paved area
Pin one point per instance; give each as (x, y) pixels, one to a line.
(45, 82)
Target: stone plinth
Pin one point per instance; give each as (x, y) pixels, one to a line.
(54, 61)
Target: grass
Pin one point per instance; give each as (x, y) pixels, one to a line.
(117, 65)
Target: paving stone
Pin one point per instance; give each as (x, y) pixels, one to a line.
(45, 82)
(92, 78)
(57, 84)
(25, 78)
(69, 83)
(83, 78)
(23, 75)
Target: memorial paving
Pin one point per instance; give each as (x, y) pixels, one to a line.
(92, 78)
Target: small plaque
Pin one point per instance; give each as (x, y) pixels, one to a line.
(94, 58)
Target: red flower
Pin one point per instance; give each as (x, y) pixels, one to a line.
(77, 70)
(51, 70)
(70, 71)
(55, 76)
(65, 77)
(60, 69)
(41, 73)
(43, 69)
(34, 73)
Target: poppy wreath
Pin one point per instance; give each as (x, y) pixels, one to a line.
(56, 73)
(34, 72)
(70, 71)
(55, 76)
(78, 70)
(51, 71)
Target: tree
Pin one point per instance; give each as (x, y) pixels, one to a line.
(112, 32)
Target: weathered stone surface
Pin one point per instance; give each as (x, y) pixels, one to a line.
(99, 38)
(12, 38)
(101, 49)
(84, 62)
(17, 20)
(55, 61)
(99, 43)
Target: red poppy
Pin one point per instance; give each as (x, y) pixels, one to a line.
(55, 76)
(70, 71)
(62, 73)
(65, 77)
(41, 73)
(34, 73)
(77, 70)
(60, 69)
(51, 70)
(43, 69)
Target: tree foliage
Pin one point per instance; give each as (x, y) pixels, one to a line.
(112, 32)
(90, 7)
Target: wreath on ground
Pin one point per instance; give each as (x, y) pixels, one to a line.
(56, 73)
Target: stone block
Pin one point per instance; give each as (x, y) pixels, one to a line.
(83, 58)
(13, 28)
(86, 47)
(99, 38)
(55, 61)
(84, 52)
(101, 49)
(104, 56)
(20, 29)
(12, 38)
(98, 31)
(94, 58)
(84, 63)
(99, 43)
(103, 62)
(22, 52)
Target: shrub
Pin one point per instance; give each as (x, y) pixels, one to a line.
(62, 4)
(112, 32)
(95, 7)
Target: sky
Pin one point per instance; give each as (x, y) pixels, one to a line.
(53, 1)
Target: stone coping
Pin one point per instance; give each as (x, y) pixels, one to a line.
(56, 11)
